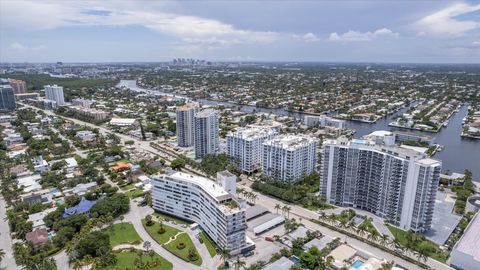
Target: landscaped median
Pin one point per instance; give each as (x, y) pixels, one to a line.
(175, 241)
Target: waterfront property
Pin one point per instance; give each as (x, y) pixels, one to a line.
(205, 202)
(394, 183)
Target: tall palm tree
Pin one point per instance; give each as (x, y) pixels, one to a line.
(287, 209)
(239, 263)
(277, 207)
(240, 191)
(254, 198)
(2, 255)
(224, 255)
(383, 239)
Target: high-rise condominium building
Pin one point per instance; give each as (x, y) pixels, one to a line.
(55, 93)
(185, 124)
(7, 98)
(244, 147)
(289, 157)
(19, 86)
(206, 133)
(394, 183)
(204, 202)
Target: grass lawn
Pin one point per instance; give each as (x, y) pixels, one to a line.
(128, 187)
(183, 253)
(433, 249)
(134, 193)
(167, 217)
(369, 226)
(209, 244)
(122, 233)
(125, 260)
(160, 238)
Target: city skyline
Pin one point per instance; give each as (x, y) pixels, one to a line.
(326, 31)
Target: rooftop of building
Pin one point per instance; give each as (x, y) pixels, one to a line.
(206, 113)
(209, 186)
(470, 240)
(395, 150)
(187, 106)
(252, 132)
(225, 174)
(290, 142)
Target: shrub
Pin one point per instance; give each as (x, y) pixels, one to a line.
(181, 245)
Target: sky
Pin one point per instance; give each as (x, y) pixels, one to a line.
(409, 31)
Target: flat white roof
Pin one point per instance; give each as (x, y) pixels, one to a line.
(209, 186)
(290, 142)
(123, 121)
(252, 132)
(470, 241)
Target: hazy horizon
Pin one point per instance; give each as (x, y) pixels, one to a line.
(406, 32)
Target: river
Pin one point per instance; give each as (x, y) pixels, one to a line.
(458, 154)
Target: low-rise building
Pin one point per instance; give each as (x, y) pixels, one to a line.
(465, 254)
(80, 189)
(123, 122)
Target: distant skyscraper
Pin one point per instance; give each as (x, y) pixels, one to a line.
(206, 133)
(7, 98)
(55, 93)
(394, 183)
(185, 124)
(244, 147)
(289, 157)
(19, 86)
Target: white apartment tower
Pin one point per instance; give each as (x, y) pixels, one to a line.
(244, 147)
(394, 183)
(289, 157)
(206, 133)
(204, 202)
(55, 93)
(185, 124)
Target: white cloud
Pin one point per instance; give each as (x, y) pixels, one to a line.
(190, 29)
(310, 37)
(21, 47)
(353, 36)
(444, 23)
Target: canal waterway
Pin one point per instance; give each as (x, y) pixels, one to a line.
(457, 155)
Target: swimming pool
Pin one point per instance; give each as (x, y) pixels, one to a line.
(357, 264)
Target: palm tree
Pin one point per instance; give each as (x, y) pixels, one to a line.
(323, 216)
(147, 245)
(77, 264)
(239, 263)
(383, 239)
(422, 255)
(224, 255)
(2, 255)
(286, 209)
(240, 191)
(254, 197)
(332, 217)
(278, 207)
